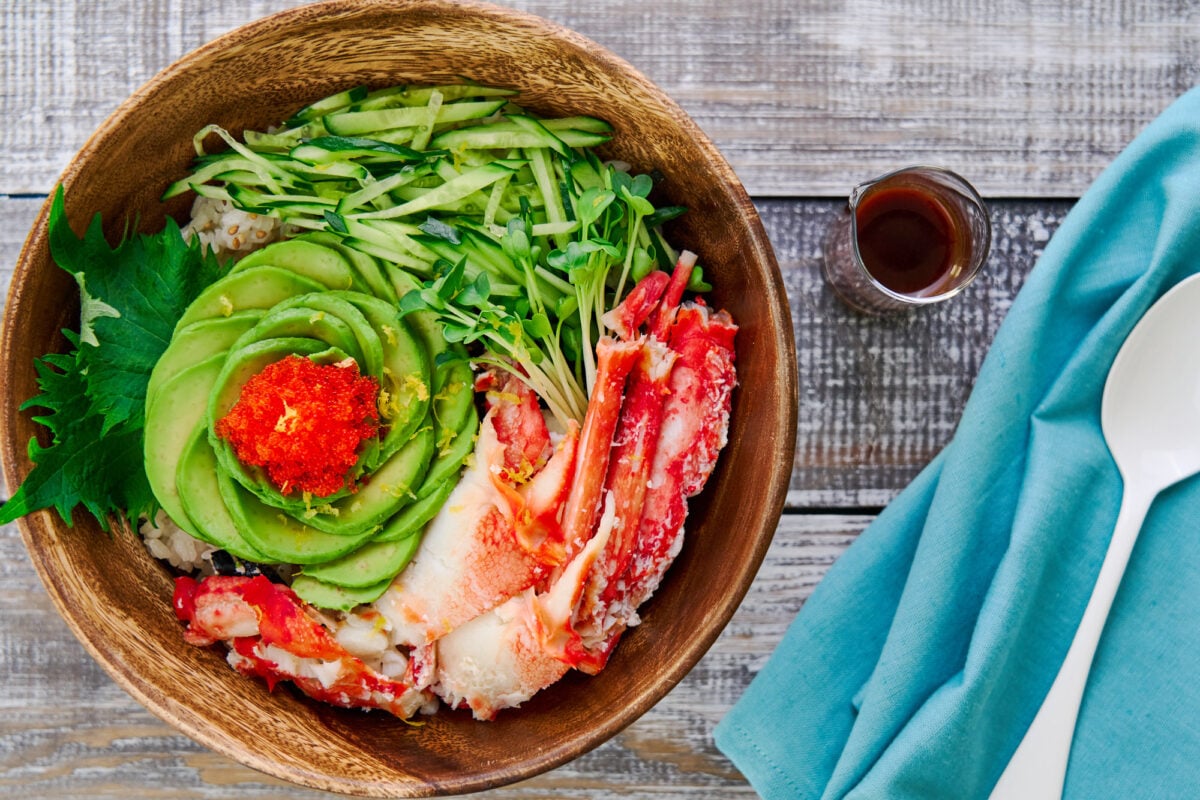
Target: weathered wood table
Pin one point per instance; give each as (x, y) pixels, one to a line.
(1029, 100)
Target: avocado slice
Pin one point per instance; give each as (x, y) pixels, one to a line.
(454, 398)
(196, 342)
(178, 408)
(308, 259)
(261, 287)
(200, 494)
(451, 456)
(404, 382)
(453, 381)
(368, 565)
(386, 490)
(281, 536)
(240, 366)
(413, 517)
(339, 598)
(297, 322)
(321, 305)
(366, 266)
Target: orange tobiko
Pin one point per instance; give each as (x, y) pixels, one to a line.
(303, 423)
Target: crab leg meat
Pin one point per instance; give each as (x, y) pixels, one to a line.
(627, 483)
(627, 316)
(546, 548)
(272, 636)
(614, 360)
(534, 489)
(502, 658)
(472, 558)
(659, 323)
(676, 415)
(695, 428)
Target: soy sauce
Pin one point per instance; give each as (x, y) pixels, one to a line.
(906, 238)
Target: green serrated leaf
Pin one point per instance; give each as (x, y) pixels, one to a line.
(132, 296)
(85, 465)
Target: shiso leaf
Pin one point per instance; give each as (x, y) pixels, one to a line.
(131, 297)
(83, 466)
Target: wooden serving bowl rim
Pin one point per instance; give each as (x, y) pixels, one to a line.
(43, 532)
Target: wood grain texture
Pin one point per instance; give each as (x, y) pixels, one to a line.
(70, 732)
(1027, 98)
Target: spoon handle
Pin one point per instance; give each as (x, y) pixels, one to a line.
(1038, 768)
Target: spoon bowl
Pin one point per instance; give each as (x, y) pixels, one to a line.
(1150, 417)
(1151, 408)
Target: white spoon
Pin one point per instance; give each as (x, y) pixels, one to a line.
(1150, 416)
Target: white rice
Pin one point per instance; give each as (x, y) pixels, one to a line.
(166, 541)
(229, 231)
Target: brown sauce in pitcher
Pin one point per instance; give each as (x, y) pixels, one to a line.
(906, 238)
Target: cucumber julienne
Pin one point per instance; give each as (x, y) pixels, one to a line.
(519, 235)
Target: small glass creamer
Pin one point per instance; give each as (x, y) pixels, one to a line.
(909, 238)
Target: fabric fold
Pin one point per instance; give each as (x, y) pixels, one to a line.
(919, 661)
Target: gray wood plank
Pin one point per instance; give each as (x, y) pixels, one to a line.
(879, 397)
(1026, 98)
(68, 731)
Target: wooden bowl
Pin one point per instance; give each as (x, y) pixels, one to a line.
(116, 598)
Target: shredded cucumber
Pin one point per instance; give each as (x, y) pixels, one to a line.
(522, 234)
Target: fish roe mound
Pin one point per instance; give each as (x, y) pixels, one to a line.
(303, 423)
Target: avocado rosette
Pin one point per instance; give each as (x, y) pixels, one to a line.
(310, 298)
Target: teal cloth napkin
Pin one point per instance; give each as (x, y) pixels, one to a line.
(918, 663)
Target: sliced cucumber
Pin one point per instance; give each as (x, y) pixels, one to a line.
(326, 105)
(328, 149)
(450, 191)
(397, 96)
(357, 123)
(507, 134)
